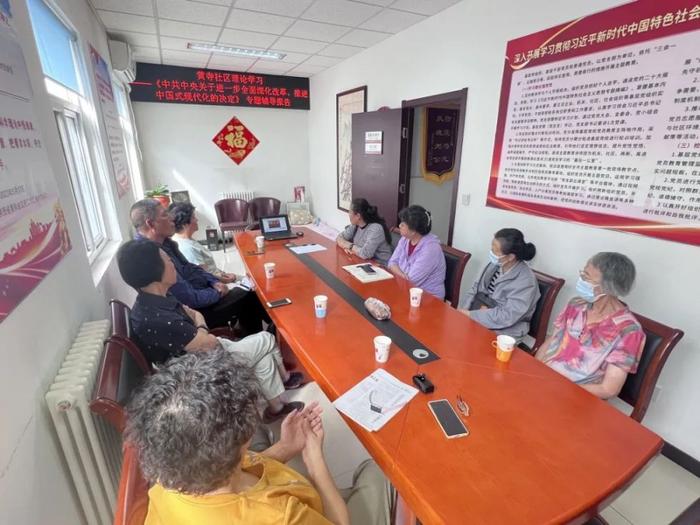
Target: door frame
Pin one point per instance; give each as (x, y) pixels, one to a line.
(461, 95)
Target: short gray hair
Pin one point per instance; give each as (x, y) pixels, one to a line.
(189, 421)
(142, 211)
(617, 270)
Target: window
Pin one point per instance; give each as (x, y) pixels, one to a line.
(76, 118)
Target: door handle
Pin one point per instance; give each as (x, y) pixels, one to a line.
(402, 188)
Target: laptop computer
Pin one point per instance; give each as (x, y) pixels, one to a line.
(276, 227)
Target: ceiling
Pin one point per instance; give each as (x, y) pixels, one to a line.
(314, 34)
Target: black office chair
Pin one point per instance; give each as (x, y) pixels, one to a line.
(549, 289)
(455, 261)
(639, 387)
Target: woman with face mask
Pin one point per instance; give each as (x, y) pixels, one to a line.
(505, 295)
(596, 340)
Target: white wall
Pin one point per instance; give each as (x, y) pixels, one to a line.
(176, 142)
(464, 47)
(35, 488)
(436, 198)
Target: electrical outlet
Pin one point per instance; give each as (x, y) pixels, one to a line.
(466, 199)
(657, 393)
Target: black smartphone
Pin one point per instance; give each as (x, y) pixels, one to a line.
(367, 268)
(279, 302)
(448, 419)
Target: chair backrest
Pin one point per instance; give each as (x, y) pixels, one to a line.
(395, 238)
(120, 318)
(264, 207)
(455, 261)
(549, 289)
(639, 387)
(231, 210)
(132, 501)
(120, 373)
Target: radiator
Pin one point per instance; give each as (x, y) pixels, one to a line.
(92, 447)
(245, 195)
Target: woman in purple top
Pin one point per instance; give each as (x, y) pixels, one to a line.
(418, 256)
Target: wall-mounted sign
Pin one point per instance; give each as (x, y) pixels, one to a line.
(373, 142)
(191, 85)
(110, 117)
(33, 232)
(599, 122)
(236, 140)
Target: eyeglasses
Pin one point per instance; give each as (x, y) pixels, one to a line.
(583, 275)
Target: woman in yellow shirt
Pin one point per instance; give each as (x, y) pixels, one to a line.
(192, 423)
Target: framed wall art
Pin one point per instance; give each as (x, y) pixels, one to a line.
(347, 103)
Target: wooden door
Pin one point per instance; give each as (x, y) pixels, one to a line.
(380, 167)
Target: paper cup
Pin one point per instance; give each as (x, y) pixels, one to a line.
(504, 345)
(269, 270)
(321, 306)
(382, 344)
(260, 242)
(416, 294)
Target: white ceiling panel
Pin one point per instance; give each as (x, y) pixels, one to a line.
(194, 12)
(313, 34)
(237, 37)
(194, 32)
(362, 38)
(339, 51)
(127, 22)
(192, 59)
(305, 71)
(340, 12)
(135, 39)
(316, 31)
(392, 21)
(298, 45)
(318, 60)
(276, 7)
(275, 68)
(135, 7)
(260, 22)
(423, 7)
(230, 63)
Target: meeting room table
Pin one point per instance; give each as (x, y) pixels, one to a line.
(540, 449)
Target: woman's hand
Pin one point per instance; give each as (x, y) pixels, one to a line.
(312, 454)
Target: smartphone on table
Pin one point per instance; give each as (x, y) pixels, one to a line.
(447, 418)
(279, 302)
(368, 268)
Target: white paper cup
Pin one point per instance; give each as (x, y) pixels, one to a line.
(269, 269)
(260, 242)
(321, 306)
(382, 344)
(416, 296)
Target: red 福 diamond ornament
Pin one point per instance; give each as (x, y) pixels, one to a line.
(236, 140)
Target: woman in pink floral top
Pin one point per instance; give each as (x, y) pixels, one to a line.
(597, 341)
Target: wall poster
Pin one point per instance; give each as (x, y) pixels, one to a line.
(599, 122)
(33, 233)
(346, 103)
(108, 106)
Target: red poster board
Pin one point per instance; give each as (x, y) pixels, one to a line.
(599, 122)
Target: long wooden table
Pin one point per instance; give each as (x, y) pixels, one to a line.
(541, 449)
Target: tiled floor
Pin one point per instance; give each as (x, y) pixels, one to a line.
(662, 492)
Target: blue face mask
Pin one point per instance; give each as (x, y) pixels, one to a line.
(495, 259)
(585, 290)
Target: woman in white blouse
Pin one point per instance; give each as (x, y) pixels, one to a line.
(186, 224)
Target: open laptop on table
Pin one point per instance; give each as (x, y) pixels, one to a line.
(276, 227)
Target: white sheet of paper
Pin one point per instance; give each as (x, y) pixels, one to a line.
(245, 283)
(307, 248)
(387, 391)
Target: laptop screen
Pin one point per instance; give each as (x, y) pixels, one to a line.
(274, 224)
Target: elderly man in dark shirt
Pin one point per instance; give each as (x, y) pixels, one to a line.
(164, 328)
(196, 287)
